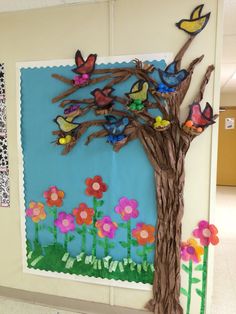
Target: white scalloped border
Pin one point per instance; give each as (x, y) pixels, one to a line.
(68, 62)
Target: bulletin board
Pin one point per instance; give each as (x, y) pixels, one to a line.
(84, 213)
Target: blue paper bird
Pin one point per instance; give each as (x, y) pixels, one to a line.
(171, 77)
(115, 128)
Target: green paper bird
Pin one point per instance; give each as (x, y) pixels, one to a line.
(196, 23)
(139, 91)
(66, 126)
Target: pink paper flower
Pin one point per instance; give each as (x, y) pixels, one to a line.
(65, 222)
(191, 250)
(127, 208)
(106, 227)
(36, 212)
(206, 233)
(54, 196)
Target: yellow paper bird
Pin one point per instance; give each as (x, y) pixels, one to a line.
(196, 23)
(66, 126)
(139, 91)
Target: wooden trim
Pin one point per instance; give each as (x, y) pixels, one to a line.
(227, 107)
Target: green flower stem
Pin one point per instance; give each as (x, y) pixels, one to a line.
(106, 247)
(36, 232)
(144, 254)
(94, 246)
(54, 228)
(83, 245)
(66, 240)
(190, 276)
(204, 280)
(129, 238)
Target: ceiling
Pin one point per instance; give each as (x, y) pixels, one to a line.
(228, 66)
(15, 5)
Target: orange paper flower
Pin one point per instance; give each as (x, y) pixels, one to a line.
(83, 214)
(54, 197)
(144, 234)
(36, 212)
(95, 187)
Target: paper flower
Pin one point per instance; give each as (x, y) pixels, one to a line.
(54, 196)
(191, 250)
(95, 187)
(83, 214)
(106, 227)
(143, 233)
(127, 208)
(206, 233)
(65, 222)
(36, 212)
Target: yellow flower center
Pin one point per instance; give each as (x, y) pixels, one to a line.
(96, 186)
(144, 234)
(106, 227)
(65, 222)
(83, 214)
(54, 197)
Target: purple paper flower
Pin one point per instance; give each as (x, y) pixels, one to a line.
(106, 227)
(127, 208)
(65, 222)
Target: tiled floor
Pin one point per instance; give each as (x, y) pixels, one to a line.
(9, 306)
(224, 294)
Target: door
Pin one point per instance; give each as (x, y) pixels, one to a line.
(226, 168)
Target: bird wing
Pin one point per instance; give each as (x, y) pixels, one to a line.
(208, 111)
(135, 87)
(171, 68)
(196, 12)
(111, 119)
(198, 118)
(107, 91)
(172, 80)
(78, 58)
(88, 66)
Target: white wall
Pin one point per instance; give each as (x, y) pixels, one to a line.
(140, 26)
(228, 99)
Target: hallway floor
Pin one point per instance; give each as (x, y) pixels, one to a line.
(224, 293)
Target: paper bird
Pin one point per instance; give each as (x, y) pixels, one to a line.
(102, 97)
(196, 23)
(171, 77)
(66, 126)
(115, 126)
(139, 91)
(201, 118)
(84, 67)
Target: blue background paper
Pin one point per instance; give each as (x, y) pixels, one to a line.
(127, 173)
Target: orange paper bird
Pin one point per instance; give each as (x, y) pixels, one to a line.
(102, 97)
(84, 67)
